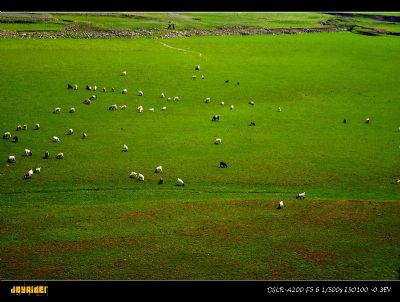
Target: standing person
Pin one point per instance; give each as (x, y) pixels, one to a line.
(169, 24)
(173, 25)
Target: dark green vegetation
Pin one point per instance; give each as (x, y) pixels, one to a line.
(82, 217)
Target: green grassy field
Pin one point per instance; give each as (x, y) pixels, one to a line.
(83, 217)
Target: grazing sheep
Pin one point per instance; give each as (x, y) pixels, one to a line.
(123, 107)
(112, 89)
(252, 124)
(123, 73)
(27, 152)
(398, 129)
(70, 86)
(223, 165)
(140, 93)
(251, 103)
(7, 135)
(207, 100)
(29, 174)
(76, 87)
(15, 139)
(56, 139)
(367, 120)
(133, 175)
(180, 183)
(215, 118)
(176, 98)
(38, 170)
(37, 126)
(87, 102)
(162, 95)
(72, 110)
(84, 135)
(222, 103)
(279, 109)
(95, 88)
(57, 110)
(218, 141)
(158, 169)
(280, 205)
(232, 107)
(25, 127)
(11, 159)
(46, 155)
(164, 108)
(194, 77)
(60, 155)
(113, 107)
(301, 195)
(70, 131)
(19, 127)
(93, 97)
(125, 91)
(140, 177)
(125, 148)
(202, 77)
(139, 109)
(104, 89)
(161, 181)
(88, 87)
(168, 99)
(151, 109)
(198, 67)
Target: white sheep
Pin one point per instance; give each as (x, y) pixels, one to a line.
(56, 139)
(168, 99)
(37, 126)
(95, 88)
(176, 98)
(27, 152)
(76, 87)
(202, 77)
(140, 93)
(104, 89)
(222, 103)
(151, 109)
(279, 109)
(60, 155)
(84, 135)
(125, 148)
(251, 103)
(207, 100)
(280, 205)
(70, 131)
(25, 127)
(232, 107)
(123, 107)
(123, 73)
(125, 91)
(194, 77)
(29, 174)
(133, 175)
(139, 109)
(158, 169)
(162, 95)
(87, 102)
(180, 183)
(72, 110)
(57, 110)
(11, 159)
(140, 177)
(301, 195)
(164, 108)
(38, 170)
(19, 127)
(7, 135)
(218, 141)
(367, 120)
(198, 67)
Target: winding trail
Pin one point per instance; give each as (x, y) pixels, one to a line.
(181, 49)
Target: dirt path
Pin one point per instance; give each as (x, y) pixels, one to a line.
(180, 49)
